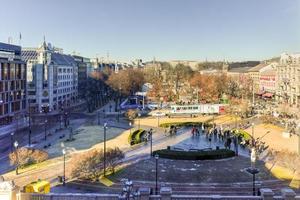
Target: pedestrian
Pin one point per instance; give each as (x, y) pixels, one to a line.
(229, 142)
(193, 131)
(236, 146)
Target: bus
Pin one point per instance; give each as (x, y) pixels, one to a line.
(198, 109)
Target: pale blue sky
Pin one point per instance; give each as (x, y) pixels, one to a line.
(166, 29)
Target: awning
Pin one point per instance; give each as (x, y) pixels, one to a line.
(269, 95)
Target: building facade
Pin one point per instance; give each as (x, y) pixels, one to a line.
(256, 72)
(267, 81)
(12, 83)
(288, 84)
(84, 71)
(52, 78)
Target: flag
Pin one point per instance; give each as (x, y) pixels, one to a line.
(20, 36)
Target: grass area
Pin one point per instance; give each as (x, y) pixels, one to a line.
(35, 166)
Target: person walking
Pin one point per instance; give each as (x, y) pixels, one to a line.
(236, 146)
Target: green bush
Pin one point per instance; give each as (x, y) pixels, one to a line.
(139, 136)
(136, 136)
(195, 155)
(244, 134)
(179, 124)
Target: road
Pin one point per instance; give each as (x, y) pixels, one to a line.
(38, 135)
(132, 154)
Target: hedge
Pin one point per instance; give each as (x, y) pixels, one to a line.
(245, 135)
(192, 155)
(179, 124)
(135, 136)
(139, 136)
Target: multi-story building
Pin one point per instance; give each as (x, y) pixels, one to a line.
(288, 84)
(52, 78)
(267, 81)
(12, 83)
(256, 72)
(84, 71)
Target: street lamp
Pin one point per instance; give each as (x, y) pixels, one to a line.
(139, 115)
(252, 135)
(252, 170)
(150, 136)
(156, 173)
(130, 124)
(46, 129)
(64, 176)
(16, 144)
(12, 141)
(104, 164)
(298, 138)
(236, 114)
(29, 133)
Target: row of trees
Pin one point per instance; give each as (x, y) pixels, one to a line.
(26, 156)
(90, 165)
(168, 80)
(105, 85)
(212, 87)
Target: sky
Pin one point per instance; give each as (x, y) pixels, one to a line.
(233, 30)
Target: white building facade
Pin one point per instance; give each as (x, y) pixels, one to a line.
(52, 78)
(288, 75)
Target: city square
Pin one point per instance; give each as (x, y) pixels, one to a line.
(160, 100)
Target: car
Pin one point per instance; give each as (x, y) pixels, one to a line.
(158, 114)
(152, 106)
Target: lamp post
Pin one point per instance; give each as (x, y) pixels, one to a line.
(156, 173)
(64, 175)
(252, 170)
(139, 117)
(16, 144)
(236, 120)
(46, 129)
(130, 124)
(150, 135)
(298, 126)
(29, 116)
(104, 151)
(12, 141)
(252, 135)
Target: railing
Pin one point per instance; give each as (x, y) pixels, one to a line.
(165, 194)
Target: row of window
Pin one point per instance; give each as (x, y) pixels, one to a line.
(65, 83)
(12, 71)
(12, 85)
(11, 107)
(64, 70)
(64, 77)
(12, 96)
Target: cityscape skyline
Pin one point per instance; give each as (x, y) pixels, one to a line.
(177, 30)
